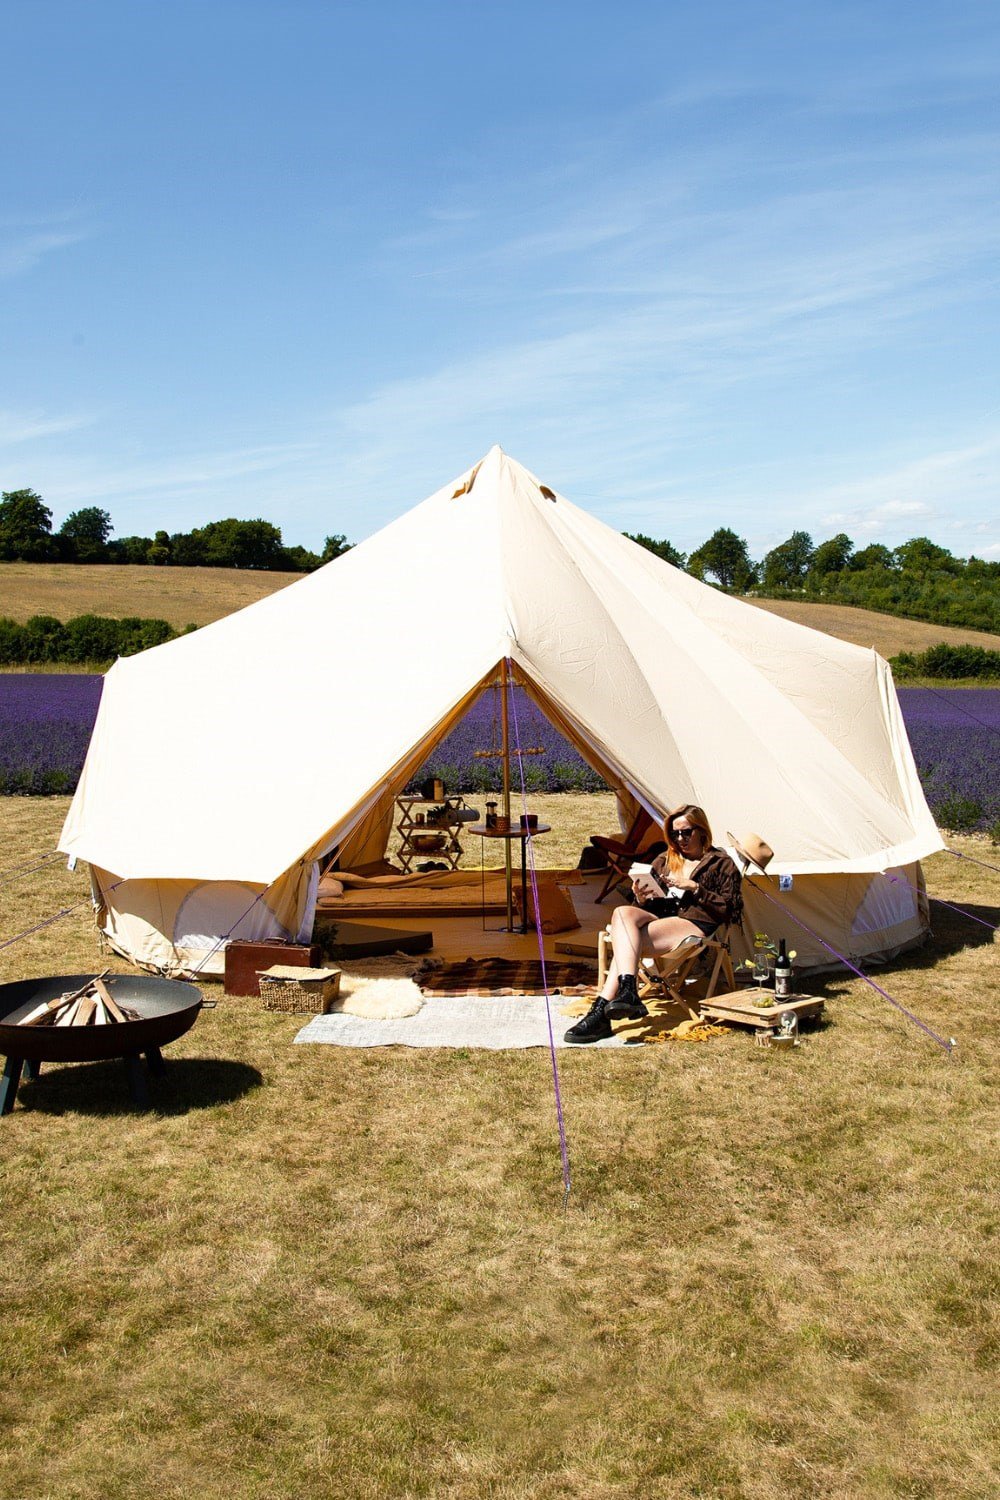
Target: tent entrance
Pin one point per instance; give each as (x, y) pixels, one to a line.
(363, 838)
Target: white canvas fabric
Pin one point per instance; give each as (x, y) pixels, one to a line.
(241, 752)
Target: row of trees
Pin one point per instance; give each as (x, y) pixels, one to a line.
(918, 579)
(26, 535)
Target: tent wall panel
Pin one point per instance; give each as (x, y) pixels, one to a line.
(830, 906)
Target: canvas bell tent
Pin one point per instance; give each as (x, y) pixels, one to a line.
(226, 764)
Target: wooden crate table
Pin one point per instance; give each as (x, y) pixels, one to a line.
(739, 1008)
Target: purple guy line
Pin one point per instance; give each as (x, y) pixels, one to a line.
(563, 1146)
(847, 963)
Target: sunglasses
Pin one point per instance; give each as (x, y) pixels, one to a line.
(685, 833)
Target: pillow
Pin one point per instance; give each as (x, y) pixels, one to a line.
(555, 905)
(329, 885)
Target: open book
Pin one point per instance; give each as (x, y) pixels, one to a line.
(649, 884)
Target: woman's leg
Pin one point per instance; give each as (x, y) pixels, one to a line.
(627, 925)
(667, 932)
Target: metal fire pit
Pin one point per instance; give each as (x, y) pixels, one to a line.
(167, 1008)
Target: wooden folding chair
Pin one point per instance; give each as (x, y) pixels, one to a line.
(620, 853)
(666, 975)
(674, 971)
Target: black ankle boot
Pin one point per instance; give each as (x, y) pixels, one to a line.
(594, 1026)
(626, 1003)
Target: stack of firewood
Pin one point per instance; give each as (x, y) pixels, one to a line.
(90, 1006)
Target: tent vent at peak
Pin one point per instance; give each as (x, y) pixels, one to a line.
(464, 489)
(543, 489)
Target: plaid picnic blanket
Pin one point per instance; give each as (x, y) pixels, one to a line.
(503, 976)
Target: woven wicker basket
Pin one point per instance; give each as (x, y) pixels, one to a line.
(303, 991)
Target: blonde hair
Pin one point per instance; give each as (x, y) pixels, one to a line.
(698, 818)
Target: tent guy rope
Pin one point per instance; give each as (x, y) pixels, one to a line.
(560, 1117)
(957, 854)
(948, 1046)
(219, 942)
(954, 703)
(48, 921)
(939, 901)
(7, 876)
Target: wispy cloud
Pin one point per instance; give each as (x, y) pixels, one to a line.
(876, 520)
(684, 314)
(26, 241)
(25, 427)
(941, 486)
(179, 477)
(653, 328)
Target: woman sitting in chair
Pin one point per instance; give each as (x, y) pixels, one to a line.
(707, 883)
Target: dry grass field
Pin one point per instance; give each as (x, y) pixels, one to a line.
(197, 596)
(889, 634)
(181, 596)
(316, 1272)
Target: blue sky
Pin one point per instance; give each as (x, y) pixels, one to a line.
(726, 265)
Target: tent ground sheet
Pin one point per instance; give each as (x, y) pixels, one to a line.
(498, 1023)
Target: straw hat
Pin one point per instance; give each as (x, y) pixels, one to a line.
(755, 853)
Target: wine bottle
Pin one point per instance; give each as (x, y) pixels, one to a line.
(782, 973)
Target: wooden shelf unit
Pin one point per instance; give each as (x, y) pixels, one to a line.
(448, 828)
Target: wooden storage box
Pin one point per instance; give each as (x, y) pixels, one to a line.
(739, 1008)
(244, 961)
(303, 991)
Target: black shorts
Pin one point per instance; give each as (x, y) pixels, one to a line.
(660, 906)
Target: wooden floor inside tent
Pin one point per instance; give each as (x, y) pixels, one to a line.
(458, 937)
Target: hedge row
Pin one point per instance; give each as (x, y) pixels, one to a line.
(95, 638)
(947, 661)
(87, 638)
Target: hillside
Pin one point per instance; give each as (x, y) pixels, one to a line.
(182, 596)
(889, 634)
(196, 596)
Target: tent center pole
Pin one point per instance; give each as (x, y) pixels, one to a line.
(505, 761)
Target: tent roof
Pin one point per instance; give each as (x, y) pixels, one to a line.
(234, 752)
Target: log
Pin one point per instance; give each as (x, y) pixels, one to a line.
(36, 1016)
(107, 1000)
(85, 1010)
(42, 1012)
(93, 1004)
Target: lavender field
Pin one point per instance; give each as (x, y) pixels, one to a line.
(560, 769)
(45, 724)
(46, 719)
(955, 734)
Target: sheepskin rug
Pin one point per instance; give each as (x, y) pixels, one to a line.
(379, 989)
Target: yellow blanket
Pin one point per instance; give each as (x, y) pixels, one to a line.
(666, 1022)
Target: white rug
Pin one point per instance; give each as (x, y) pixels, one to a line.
(379, 988)
(498, 1023)
(380, 1000)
